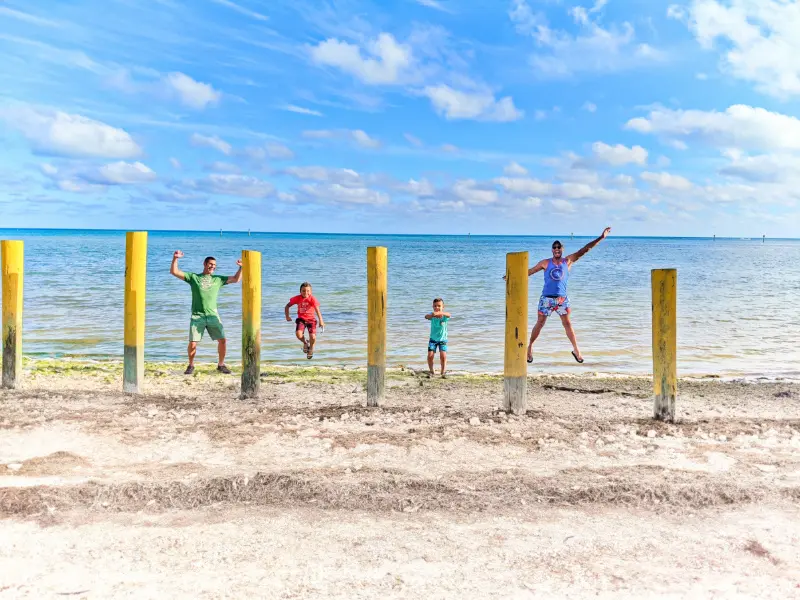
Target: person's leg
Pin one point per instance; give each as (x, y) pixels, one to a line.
(312, 337)
(537, 329)
(431, 354)
(192, 352)
(222, 347)
(443, 361)
(300, 334)
(571, 335)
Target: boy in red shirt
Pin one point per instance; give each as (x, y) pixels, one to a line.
(307, 309)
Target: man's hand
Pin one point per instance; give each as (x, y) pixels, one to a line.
(605, 233)
(177, 254)
(239, 263)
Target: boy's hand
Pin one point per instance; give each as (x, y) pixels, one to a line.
(288, 318)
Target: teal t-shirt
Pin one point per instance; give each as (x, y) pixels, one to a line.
(439, 329)
(205, 289)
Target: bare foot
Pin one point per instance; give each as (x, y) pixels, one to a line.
(530, 354)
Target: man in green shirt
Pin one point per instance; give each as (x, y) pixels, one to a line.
(205, 289)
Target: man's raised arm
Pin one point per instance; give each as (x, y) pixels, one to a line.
(238, 276)
(576, 255)
(173, 269)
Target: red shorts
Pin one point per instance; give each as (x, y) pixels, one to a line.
(302, 325)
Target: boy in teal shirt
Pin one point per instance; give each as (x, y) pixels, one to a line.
(438, 339)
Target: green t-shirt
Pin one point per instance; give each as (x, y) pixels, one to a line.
(439, 328)
(205, 289)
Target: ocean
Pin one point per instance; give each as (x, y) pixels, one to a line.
(738, 310)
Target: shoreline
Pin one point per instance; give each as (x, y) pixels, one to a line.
(34, 365)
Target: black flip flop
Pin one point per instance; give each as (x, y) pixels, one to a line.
(580, 360)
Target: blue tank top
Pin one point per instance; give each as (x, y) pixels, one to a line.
(555, 279)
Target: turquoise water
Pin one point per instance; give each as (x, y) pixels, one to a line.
(737, 309)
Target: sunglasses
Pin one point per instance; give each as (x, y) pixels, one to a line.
(556, 247)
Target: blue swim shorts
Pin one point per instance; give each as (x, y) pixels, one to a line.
(434, 344)
(548, 305)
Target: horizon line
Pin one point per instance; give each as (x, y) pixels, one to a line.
(468, 234)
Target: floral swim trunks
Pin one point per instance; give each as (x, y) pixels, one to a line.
(549, 304)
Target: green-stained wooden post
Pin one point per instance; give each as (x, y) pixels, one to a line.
(11, 258)
(135, 286)
(251, 323)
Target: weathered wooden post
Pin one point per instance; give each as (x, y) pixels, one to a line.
(251, 323)
(135, 287)
(376, 323)
(11, 258)
(665, 345)
(515, 371)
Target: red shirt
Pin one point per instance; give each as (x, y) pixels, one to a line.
(305, 307)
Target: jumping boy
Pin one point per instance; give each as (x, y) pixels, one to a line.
(438, 338)
(307, 310)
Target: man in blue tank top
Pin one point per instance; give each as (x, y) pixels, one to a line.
(554, 293)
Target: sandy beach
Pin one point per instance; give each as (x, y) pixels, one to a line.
(189, 492)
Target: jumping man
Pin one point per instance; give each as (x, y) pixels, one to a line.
(205, 289)
(554, 294)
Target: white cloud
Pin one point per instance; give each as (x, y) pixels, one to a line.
(739, 126)
(345, 177)
(435, 4)
(386, 62)
(173, 86)
(335, 193)
(191, 93)
(88, 178)
(479, 105)
(176, 164)
(277, 151)
(365, 141)
(667, 181)
(593, 49)
(562, 206)
(302, 111)
(219, 166)
(420, 189)
(449, 148)
(123, 173)
(234, 185)
(471, 192)
(514, 169)
(619, 155)
(361, 138)
(764, 168)
(589, 107)
(523, 186)
(759, 40)
(213, 141)
(63, 134)
(413, 140)
(242, 10)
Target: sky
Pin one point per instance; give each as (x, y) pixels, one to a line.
(402, 116)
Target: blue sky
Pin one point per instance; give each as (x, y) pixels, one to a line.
(410, 116)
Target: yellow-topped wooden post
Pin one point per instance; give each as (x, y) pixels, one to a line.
(135, 285)
(251, 323)
(11, 258)
(376, 323)
(665, 342)
(516, 349)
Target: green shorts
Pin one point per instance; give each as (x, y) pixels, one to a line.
(200, 323)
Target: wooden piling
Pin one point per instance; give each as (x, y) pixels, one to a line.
(251, 323)
(665, 346)
(376, 323)
(12, 261)
(135, 288)
(516, 347)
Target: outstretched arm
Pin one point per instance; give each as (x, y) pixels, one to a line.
(540, 266)
(173, 269)
(576, 255)
(429, 316)
(238, 276)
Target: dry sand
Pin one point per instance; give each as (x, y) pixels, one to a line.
(189, 492)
